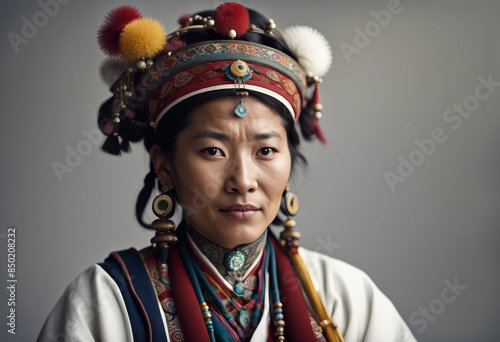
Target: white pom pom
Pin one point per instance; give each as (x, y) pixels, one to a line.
(112, 69)
(311, 48)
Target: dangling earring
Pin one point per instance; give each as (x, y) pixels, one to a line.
(164, 208)
(289, 238)
(289, 206)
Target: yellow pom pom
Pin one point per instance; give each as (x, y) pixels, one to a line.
(143, 37)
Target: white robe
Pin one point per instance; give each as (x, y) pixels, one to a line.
(92, 307)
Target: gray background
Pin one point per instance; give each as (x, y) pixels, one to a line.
(440, 224)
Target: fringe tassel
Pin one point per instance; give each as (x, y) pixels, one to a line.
(319, 132)
(125, 145)
(317, 107)
(111, 145)
(130, 130)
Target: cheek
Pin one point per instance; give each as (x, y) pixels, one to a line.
(196, 182)
(277, 181)
(185, 179)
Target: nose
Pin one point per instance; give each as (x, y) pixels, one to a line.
(242, 177)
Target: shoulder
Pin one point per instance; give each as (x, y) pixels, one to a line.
(327, 268)
(98, 303)
(91, 308)
(108, 274)
(338, 281)
(361, 310)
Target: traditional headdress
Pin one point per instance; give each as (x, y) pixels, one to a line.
(150, 72)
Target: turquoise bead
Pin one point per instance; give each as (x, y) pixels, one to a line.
(240, 110)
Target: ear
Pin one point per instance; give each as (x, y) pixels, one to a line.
(163, 166)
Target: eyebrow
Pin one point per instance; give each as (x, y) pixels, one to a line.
(211, 134)
(263, 136)
(222, 136)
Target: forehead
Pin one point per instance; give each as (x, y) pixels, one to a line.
(219, 114)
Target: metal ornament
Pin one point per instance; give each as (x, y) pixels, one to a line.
(234, 263)
(164, 208)
(235, 260)
(240, 72)
(289, 202)
(289, 207)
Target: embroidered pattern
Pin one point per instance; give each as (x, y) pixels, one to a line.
(241, 309)
(189, 66)
(217, 254)
(211, 51)
(164, 294)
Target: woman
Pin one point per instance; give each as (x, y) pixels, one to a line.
(216, 103)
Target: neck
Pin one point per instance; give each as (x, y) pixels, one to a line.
(217, 254)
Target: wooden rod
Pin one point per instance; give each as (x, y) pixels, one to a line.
(329, 326)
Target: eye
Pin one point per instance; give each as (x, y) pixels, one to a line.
(266, 151)
(213, 152)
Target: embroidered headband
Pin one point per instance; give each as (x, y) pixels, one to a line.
(216, 65)
(155, 71)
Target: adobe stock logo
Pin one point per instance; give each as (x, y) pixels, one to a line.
(39, 20)
(75, 156)
(437, 306)
(363, 37)
(454, 117)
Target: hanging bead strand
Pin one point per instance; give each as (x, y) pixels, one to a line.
(207, 316)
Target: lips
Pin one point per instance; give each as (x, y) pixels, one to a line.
(240, 211)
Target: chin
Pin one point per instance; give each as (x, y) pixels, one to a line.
(247, 234)
(236, 235)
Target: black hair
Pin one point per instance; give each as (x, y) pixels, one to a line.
(177, 118)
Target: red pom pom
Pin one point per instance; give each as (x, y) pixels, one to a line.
(185, 17)
(231, 16)
(108, 35)
(174, 44)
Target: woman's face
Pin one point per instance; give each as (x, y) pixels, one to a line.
(229, 172)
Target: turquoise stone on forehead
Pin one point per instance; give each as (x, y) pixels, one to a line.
(240, 110)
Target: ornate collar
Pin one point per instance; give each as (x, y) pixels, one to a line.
(218, 255)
